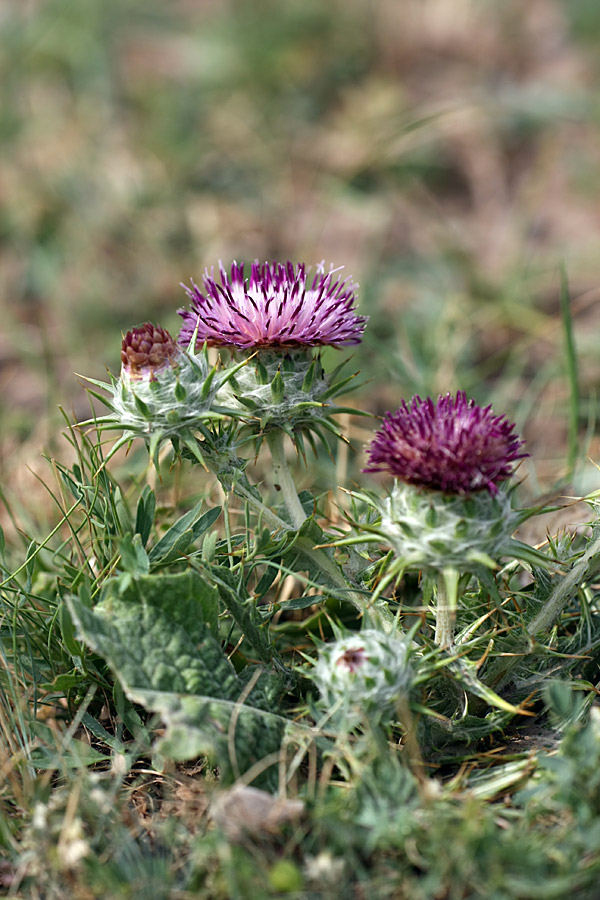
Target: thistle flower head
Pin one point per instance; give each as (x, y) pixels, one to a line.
(352, 659)
(276, 307)
(451, 445)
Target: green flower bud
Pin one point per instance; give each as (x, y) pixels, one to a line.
(285, 389)
(363, 672)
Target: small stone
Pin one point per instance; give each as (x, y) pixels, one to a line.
(249, 810)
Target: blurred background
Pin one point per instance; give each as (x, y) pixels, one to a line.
(446, 152)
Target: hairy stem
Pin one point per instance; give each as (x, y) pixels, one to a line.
(269, 517)
(283, 479)
(447, 589)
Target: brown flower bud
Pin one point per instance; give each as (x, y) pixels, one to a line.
(147, 349)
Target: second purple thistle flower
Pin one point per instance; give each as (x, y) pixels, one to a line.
(447, 514)
(452, 445)
(276, 307)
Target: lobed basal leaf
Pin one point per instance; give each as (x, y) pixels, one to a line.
(159, 636)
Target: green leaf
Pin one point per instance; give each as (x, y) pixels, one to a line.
(144, 518)
(134, 558)
(184, 532)
(310, 527)
(79, 754)
(186, 595)
(209, 546)
(67, 633)
(302, 602)
(32, 552)
(464, 673)
(531, 555)
(159, 639)
(198, 725)
(50, 755)
(245, 615)
(65, 682)
(268, 578)
(122, 512)
(100, 732)
(308, 502)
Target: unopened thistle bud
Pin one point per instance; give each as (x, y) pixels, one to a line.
(365, 672)
(163, 391)
(147, 349)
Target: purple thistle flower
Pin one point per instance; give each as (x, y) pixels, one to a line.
(275, 308)
(454, 445)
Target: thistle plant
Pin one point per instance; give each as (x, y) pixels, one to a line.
(273, 320)
(448, 513)
(206, 691)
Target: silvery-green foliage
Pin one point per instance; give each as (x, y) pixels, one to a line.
(431, 530)
(288, 390)
(159, 634)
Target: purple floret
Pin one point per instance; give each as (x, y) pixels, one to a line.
(454, 445)
(276, 307)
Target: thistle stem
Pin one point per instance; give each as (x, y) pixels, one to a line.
(444, 626)
(319, 557)
(283, 479)
(272, 520)
(447, 590)
(285, 483)
(564, 592)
